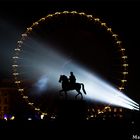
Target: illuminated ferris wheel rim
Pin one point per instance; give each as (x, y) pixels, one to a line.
(91, 18)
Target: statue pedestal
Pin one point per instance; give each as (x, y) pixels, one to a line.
(72, 110)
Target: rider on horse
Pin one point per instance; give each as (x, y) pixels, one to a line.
(72, 79)
(70, 84)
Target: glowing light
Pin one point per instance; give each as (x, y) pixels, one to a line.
(97, 19)
(12, 118)
(25, 97)
(17, 82)
(29, 119)
(109, 29)
(124, 57)
(14, 66)
(42, 19)
(5, 118)
(121, 88)
(17, 49)
(29, 29)
(24, 35)
(21, 89)
(118, 42)
(122, 49)
(57, 13)
(50, 15)
(114, 35)
(125, 72)
(16, 73)
(42, 116)
(20, 42)
(15, 57)
(37, 109)
(74, 12)
(82, 13)
(125, 65)
(124, 80)
(89, 16)
(35, 23)
(65, 12)
(103, 24)
(30, 103)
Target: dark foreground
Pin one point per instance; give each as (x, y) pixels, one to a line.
(95, 129)
(71, 125)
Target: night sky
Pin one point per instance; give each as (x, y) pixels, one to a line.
(122, 16)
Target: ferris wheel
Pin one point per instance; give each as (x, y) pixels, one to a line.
(39, 55)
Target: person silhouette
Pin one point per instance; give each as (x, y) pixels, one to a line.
(72, 79)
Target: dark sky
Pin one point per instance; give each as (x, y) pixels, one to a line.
(123, 16)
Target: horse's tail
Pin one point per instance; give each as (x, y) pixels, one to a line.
(83, 88)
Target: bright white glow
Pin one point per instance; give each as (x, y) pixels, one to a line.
(42, 116)
(51, 64)
(41, 84)
(29, 119)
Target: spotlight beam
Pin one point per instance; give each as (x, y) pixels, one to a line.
(57, 63)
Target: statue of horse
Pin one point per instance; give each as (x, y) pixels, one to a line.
(66, 86)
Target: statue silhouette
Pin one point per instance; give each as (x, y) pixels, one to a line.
(72, 79)
(66, 86)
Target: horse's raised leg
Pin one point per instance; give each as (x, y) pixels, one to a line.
(79, 93)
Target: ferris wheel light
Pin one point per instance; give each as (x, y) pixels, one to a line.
(17, 82)
(14, 66)
(37, 109)
(65, 12)
(82, 13)
(96, 19)
(35, 23)
(24, 35)
(15, 57)
(109, 29)
(16, 73)
(114, 35)
(50, 15)
(124, 80)
(25, 97)
(17, 49)
(89, 16)
(125, 65)
(122, 49)
(74, 12)
(103, 24)
(57, 13)
(125, 72)
(30, 103)
(118, 42)
(42, 19)
(20, 89)
(124, 57)
(29, 29)
(20, 42)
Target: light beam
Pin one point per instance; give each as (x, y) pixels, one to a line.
(51, 63)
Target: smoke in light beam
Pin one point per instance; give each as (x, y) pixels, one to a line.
(41, 84)
(51, 64)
